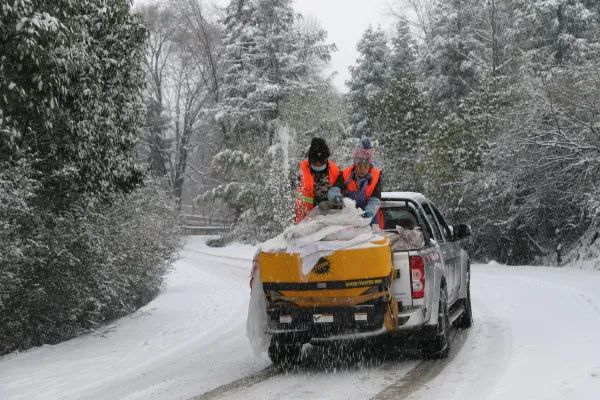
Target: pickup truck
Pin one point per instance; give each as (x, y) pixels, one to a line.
(411, 295)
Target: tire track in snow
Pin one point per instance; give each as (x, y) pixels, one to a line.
(320, 364)
(220, 256)
(424, 372)
(240, 384)
(236, 263)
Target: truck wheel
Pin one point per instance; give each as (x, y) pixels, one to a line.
(466, 320)
(439, 346)
(284, 353)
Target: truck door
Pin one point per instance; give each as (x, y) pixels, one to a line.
(446, 248)
(455, 249)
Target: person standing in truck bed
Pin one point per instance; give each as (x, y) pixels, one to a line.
(318, 175)
(362, 181)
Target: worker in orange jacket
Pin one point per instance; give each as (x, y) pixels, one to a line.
(363, 181)
(318, 178)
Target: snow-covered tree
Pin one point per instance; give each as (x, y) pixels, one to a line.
(71, 80)
(269, 56)
(318, 112)
(403, 50)
(447, 67)
(259, 189)
(400, 120)
(552, 33)
(184, 73)
(367, 78)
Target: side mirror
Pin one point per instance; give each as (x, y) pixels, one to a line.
(461, 231)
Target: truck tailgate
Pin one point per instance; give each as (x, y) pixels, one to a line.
(401, 286)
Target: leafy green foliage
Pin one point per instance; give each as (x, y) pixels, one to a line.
(70, 75)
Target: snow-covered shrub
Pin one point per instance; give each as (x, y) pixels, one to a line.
(82, 240)
(74, 271)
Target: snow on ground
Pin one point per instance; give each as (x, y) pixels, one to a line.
(190, 339)
(536, 336)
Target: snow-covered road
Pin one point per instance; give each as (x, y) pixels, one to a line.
(536, 336)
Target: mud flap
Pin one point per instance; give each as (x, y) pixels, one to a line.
(390, 321)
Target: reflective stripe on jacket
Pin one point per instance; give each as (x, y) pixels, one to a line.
(305, 200)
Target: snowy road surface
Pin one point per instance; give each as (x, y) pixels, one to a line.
(536, 336)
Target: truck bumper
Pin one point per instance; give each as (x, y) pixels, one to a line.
(413, 318)
(328, 324)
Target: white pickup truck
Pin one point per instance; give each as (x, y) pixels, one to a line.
(412, 293)
(436, 293)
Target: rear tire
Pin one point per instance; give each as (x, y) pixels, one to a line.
(283, 352)
(439, 346)
(466, 320)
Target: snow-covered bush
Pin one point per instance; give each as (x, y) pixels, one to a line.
(72, 272)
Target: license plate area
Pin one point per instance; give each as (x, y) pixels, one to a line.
(322, 318)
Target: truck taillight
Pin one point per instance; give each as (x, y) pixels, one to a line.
(417, 276)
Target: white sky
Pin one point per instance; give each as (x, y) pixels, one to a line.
(345, 21)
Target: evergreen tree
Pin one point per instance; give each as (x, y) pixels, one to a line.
(367, 79)
(448, 71)
(403, 50)
(554, 33)
(399, 116)
(268, 57)
(317, 112)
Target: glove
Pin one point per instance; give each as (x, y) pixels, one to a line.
(338, 200)
(367, 214)
(325, 206)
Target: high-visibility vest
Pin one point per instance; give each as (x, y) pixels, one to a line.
(305, 200)
(351, 183)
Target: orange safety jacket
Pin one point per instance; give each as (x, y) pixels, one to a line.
(305, 200)
(351, 183)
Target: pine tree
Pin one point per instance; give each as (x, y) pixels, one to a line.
(403, 50)
(367, 79)
(268, 57)
(554, 33)
(399, 116)
(448, 71)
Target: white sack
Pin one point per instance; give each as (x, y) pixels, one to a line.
(406, 239)
(320, 235)
(256, 324)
